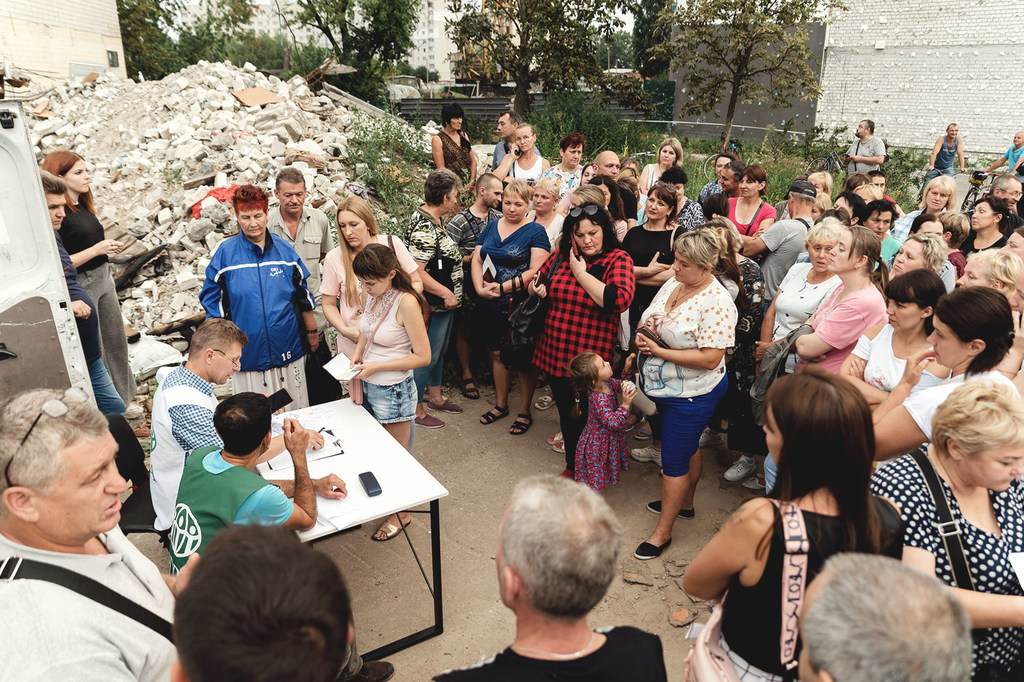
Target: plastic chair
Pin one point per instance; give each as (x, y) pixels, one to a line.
(137, 515)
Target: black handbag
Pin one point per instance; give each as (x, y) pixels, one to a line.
(525, 323)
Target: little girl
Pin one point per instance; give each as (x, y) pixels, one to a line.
(392, 343)
(601, 452)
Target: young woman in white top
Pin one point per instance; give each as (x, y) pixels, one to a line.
(670, 153)
(877, 363)
(805, 286)
(392, 342)
(973, 330)
(523, 163)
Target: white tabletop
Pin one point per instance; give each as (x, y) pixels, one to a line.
(367, 446)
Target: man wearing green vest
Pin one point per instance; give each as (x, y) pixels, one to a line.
(219, 487)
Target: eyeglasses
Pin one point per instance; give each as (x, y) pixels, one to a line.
(671, 188)
(236, 363)
(589, 209)
(53, 407)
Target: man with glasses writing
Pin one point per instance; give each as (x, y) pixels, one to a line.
(59, 510)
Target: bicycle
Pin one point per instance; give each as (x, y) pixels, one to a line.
(735, 146)
(831, 163)
(981, 185)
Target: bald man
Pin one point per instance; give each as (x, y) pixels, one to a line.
(607, 163)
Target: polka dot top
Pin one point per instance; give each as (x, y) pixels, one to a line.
(987, 554)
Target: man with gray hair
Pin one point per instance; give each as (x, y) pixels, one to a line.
(783, 242)
(1009, 187)
(79, 601)
(558, 549)
(868, 617)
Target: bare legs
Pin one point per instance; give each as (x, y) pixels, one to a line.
(400, 431)
(676, 493)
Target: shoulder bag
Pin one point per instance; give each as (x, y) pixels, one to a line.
(708, 661)
(947, 527)
(525, 323)
(355, 384)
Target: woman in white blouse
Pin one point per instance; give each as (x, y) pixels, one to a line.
(682, 339)
(877, 363)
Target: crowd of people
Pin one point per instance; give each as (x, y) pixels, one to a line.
(870, 361)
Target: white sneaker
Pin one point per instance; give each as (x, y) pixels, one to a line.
(648, 454)
(740, 469)
(754, 483)
(710, 439)
(134, 411)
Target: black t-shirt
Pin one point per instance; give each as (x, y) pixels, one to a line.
(628, 654)
(641, 244)
(629, 203)
(81, 230)
(968, 246)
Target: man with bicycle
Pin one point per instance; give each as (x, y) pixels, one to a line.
(867, 152)
(1013, 157)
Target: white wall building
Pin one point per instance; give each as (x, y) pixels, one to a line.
(913, 67)
(60, 38)
(432, 47)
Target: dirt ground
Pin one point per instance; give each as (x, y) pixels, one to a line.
(479, 465)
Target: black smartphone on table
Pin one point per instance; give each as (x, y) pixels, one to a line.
(279, 400)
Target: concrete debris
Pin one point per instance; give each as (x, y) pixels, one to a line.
(156, 149)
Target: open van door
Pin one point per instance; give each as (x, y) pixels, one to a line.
(39, 344)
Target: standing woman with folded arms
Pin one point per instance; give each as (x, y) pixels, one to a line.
(82, 234)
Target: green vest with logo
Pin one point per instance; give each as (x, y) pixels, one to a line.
(207, 503)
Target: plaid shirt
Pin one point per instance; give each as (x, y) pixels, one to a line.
(574, 322)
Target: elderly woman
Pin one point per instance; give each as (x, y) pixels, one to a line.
(973, 330)
(750, 213)
(977, 455)
(877, 364)
(924, 251)
(822, 182)
(806, 415)
(670, 153)
(939, 196)
(514, 249)
(440, 268)
(589, 282)
(451, 148)
(245, 284)
(989, 224)
(682, 341)
(568, 174)
(998, 269)
(340, 289)
(83, 237)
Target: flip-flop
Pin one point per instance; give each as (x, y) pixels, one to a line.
(471, 393)
(494, 414)
(521, 425)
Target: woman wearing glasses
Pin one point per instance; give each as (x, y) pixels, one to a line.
(588, 282)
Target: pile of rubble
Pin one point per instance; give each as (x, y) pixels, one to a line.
(156, 150)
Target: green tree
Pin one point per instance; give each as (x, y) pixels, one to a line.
(209, 35)
(372, 36)
(754, 51)
(144, 36)
(539, 41)
(614, 51)
(645, 20)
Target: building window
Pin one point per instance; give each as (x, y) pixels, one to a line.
(112, 59)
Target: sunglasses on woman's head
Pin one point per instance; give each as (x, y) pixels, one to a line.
(671, 188)
(588, 209)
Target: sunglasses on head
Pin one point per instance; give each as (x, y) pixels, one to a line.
(671, 188)
(588, 209)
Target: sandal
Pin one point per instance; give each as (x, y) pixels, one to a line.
(471, 393)
(521, 425)
(389, 529)
(643, 434)
(544, 402)
(493, 415)
(631, 427)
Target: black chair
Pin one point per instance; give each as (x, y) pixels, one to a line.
(137, 515)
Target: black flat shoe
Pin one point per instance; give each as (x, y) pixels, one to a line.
(648, 551)
(655, 508)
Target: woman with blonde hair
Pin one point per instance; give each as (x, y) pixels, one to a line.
(340, 288)
(545, 204)
(822, 203)
(670, 153)
(977, 454)
(822, 182)
(939, 195)
(994, 268)
(920, 251)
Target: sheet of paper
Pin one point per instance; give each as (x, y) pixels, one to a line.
(489, 269)
(284, 460)
(1017, 561)
(340, 367)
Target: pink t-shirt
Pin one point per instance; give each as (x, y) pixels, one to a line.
(841, 323)
(766, 212)
(333, 285)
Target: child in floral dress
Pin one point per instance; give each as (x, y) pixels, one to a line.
(601, 453)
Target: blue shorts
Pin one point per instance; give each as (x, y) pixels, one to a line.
(391, 404)
(682, 422)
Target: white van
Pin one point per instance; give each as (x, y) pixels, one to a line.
(39, 343)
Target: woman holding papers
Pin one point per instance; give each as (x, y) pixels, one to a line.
(340, 288)
(391, 343)
(513, 249)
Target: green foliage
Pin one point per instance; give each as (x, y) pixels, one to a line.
(479, 130)
(538, 41)
(903, 175)
(147, 48)
(571, 112)
(645, 17)
(421, 72)
(614, 51)
(663, 97)
(741, 51)
(208, 36)
(392, 157)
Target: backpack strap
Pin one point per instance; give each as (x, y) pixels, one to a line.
(19, 568)
(794, 580)
(947, 527)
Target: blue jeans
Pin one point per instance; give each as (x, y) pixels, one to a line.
(107, 397)
(936, 172)
(439, 333)
(771, 472)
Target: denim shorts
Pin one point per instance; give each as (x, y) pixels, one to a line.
(391, 404)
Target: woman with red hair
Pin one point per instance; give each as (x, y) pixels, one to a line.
(259, 282)
(85, 242)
